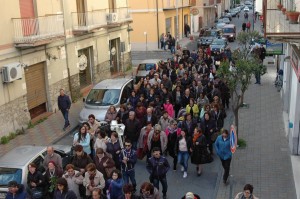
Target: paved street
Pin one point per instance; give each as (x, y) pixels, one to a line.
(265, 162)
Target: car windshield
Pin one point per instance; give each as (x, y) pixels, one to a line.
(218, 42)
(103, 97)
(228, 30)
(10, 174)
(146, 67)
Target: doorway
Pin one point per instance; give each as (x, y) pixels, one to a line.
(36, 89)
(115, 54)
(85, 57)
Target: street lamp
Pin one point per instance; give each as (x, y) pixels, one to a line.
(145, 33)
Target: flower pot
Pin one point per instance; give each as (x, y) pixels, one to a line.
(283, 10)
(293, 17)
(279, 6)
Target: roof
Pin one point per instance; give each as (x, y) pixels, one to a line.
(112, 83)
(20, 155)
(149, 61)
(229, 26)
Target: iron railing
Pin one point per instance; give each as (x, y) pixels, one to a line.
(89, 20)
(277, 23)
(31, 30)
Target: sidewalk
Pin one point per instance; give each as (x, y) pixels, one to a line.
(266, 161)
(46, 132)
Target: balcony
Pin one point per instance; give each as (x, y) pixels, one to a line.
(118, 17)
(88, 21)
(171, 4)
(277, 27)
(31, 32)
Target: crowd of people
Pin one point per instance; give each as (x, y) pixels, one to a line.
(177, 111)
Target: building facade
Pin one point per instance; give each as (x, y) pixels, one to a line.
(152, 18)
(206, 11)
(49, 45)
(278, 29)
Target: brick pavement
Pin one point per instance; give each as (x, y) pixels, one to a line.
(265, 162)
(46, 132)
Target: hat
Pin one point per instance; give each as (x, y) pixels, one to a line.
(13, 184)
(189, 195)
(157, 127)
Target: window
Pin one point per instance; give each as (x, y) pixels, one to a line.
(10, 174)
(103, 97)
(147, 67)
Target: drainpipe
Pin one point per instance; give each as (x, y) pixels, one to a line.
(182, 28)
(65, 46)
(157, 25)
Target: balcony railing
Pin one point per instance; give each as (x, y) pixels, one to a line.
(171, 4)
(277, 26)
(37, 31)
(118, 15)
(88, 21)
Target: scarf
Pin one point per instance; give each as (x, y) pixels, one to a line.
(92, 177)
(156, 137)
(196, 136)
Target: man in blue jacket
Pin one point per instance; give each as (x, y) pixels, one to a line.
(64, 104)
(158, 166)
(15, 191)
(222, 145)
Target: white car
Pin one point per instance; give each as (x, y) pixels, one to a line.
(226, 20)
(246, 9)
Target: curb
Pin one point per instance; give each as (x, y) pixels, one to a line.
(64, 135)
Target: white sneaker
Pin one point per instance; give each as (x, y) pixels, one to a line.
(184, 174)
(182, 169)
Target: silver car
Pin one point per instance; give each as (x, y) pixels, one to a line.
(14, 164)
(145, 66)
(103, 95)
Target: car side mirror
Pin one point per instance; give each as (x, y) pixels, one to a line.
(83, 99)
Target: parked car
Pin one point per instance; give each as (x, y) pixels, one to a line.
(218, 45)
(229, 32)
(228, 15)
(145, 66)
(208, 36)
(104, 94)
(226, 20)
(220, 25)
(246, 9)
(14, 164)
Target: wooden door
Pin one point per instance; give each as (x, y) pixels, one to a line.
(36, 89)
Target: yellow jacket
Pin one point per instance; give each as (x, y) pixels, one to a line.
(195, 110)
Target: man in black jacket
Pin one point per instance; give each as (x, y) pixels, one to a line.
(64, 104)
(132, 129)
(158, 166)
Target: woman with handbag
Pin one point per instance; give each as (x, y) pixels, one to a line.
(104, 163)
(199, 151)
(35, 182)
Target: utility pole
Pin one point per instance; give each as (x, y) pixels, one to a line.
(157, 25)
(253, 7)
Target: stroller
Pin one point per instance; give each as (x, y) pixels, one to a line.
(279, 80)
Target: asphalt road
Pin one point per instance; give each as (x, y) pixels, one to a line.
(208, 183)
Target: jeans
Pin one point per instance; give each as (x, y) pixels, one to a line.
(257, 77)
(183, 157)
(163, 182)
(129, 174)
(65, 114)
(162, 45)
(226, 166)
(172, 49)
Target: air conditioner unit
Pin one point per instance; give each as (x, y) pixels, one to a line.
(11, 72)
(112, 17)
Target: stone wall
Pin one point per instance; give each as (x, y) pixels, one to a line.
(14, 115)
(101, 72)
(127, 60)
(75, 87)
(54, 92)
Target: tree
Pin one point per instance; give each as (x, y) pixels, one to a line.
(238, 75)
